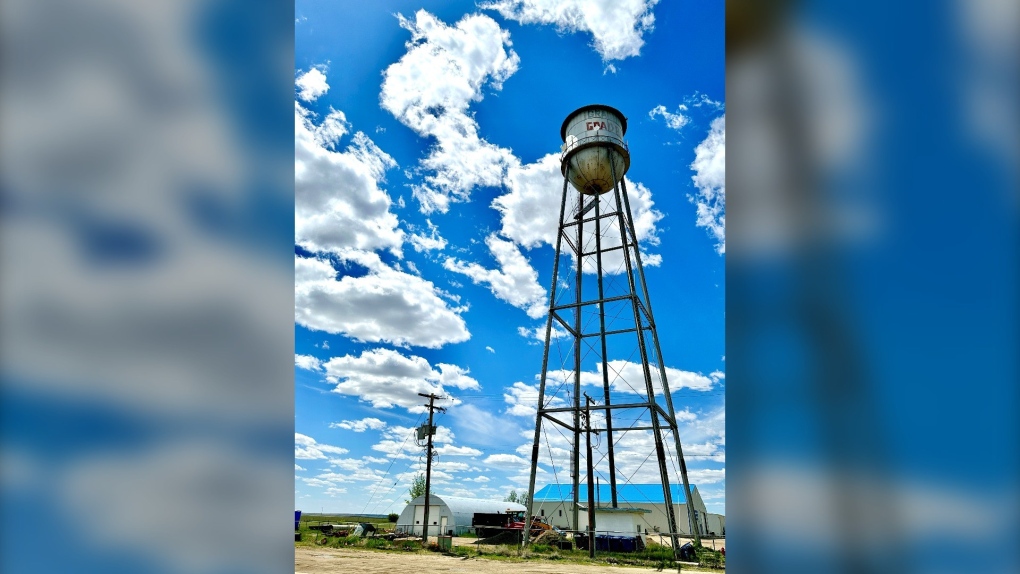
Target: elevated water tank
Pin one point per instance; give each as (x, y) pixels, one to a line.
(592, 138)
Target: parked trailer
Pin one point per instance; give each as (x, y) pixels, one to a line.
(488, 524)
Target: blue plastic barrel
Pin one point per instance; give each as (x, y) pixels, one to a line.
(297, 519)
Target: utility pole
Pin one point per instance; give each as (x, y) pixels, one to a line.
(428, 464)
(591, 484)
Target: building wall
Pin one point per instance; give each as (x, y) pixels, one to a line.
(618, 523)
(559, 513)
(410, 520)
(716, 524)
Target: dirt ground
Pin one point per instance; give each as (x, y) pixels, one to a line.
(318, 560)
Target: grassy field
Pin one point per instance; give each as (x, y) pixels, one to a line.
(654, 556)
(315, 518)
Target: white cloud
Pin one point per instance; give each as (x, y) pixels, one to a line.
(359, 425)
(384, 305)
(307, 362)
(532, 205)
(431, 242)
(312, 84)
(617, 26)
(515, 282)
(490, 349)
(523, 400)
(306, 448)
(387, 378)
(355, 469)
(683, 114)
(624, 377)
(338, 203)
(710, 178)
(538, 333)
(506, 461)
(530, 209)
(454, 376)
(628, 377)
(398, 442)
(297, 467)
(701, 476)
(676, 120)
(429, 90)
(450, 466)
(450, 450)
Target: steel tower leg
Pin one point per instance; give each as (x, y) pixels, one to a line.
(660, 451)
(576, 447)
(545, 368)
(662, 373)
(605, 357)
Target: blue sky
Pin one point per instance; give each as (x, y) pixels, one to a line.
(427, 186)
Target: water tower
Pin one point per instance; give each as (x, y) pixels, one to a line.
(601, 341)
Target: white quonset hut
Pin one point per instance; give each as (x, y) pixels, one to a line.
(449, 514)
(554, 503)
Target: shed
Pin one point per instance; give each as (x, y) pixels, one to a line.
(449, 514)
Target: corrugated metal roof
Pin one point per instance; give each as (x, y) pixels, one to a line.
(461, 505)
(625, 493)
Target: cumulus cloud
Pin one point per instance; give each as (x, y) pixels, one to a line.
(616, 26)
(676, 120)
(632, 450)
(515, 282)
(624, 377)
(355, 469)
(311, 85)
(506, 461)
(429, 90)
(523, 400)
(530, 208)
(710, 178)
(628, 377)
(387, 378)
(397, 443)
(454, 376)
(698, 104)
(706, 475)
(431, 242)
(359, 425)
(537, 334)
(338, 203)
(307, 362)
(307, 448)
(385, 305)
(450, 450)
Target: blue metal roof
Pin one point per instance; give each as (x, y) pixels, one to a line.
(625, 493)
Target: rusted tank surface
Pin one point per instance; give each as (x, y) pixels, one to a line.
(593, 148)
